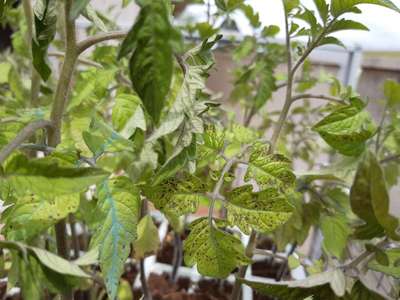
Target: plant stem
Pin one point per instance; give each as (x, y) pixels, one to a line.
(90, 41)
(74, 236)
(145, 289)
(27, 132)
(59, 104)
(381, 123)
(83, 61)
(364, 255)
(390, 158)
(216, 192)
(177, 260)
(275, 136)
(322, 97)
(35, 83)
(288, 98)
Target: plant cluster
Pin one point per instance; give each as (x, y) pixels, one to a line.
(102, 140)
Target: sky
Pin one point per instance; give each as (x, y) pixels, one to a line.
(384, 24)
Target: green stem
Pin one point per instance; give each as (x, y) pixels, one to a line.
(59, 104)
(27, 132)
(35, 83)
(64, 81)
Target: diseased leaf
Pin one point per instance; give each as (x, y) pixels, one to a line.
(119, 201)
(261, 211)
(216, 253)
(152, 41)
(45, 29)
(147, 241)
(269, 169)
(47, 178)
(369, 197)
(177, 196)
(32, 214)
(347, 128)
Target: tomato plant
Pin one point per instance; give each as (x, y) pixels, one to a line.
(117, 131)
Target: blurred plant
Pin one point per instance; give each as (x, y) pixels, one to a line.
(97, 140)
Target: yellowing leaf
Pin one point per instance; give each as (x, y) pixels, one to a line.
(216, 253)
(347, 128)
(269, 169)
(261, 211)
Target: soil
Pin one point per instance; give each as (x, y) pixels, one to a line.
(184, 289)
(166, 253)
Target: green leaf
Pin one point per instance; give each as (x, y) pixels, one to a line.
(339, 7)
(369, 197)
(119, 202)
(77, 7)
(57, 263)
(344, 24)
(347, 128)
(147, 241)
(89, 258)
(251, 15)
(47, 259)
(391, 269)
(360, 292)
(216, 253)
(331, 40)
(261, 211)
(392, 92)
(269, 169)
(323, 9)
(245, 48)
(177, 196)
(153, 41)
(45, 28)
(101, 138)
(47, 178)
(380, 255)
(128, 115)
(93, 16)
(335, 231)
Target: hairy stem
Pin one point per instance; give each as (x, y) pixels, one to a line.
(27, 132)
(91, 41)
(59, 104)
